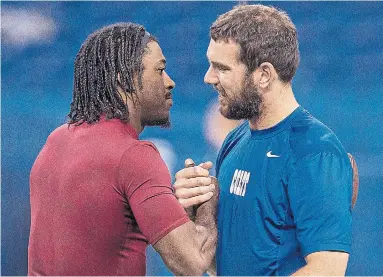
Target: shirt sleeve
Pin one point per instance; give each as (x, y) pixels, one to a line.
(320, 189)
(146, 183)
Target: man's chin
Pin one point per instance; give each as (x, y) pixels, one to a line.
(225, 111)
(163, 122)
(229, 113)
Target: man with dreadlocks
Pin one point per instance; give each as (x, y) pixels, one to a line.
(99, 195)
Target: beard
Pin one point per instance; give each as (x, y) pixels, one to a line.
(155, 111)
(157, 120)
(163, 122)
(245, 104)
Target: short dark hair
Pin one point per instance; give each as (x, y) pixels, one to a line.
(112, 50)
(265, 34)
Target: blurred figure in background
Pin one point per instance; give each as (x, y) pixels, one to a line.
(285, 179)
(98, 194)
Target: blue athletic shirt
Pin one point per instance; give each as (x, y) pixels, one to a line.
(285, 193)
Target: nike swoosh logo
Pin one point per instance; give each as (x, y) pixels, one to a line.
(271, 155)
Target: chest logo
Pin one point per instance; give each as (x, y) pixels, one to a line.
(239, 182)
(268, 154)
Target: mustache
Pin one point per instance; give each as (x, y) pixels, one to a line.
(219, 89)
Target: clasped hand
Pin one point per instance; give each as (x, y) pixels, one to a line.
(194, 185)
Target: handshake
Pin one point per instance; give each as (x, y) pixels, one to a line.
(194, 186)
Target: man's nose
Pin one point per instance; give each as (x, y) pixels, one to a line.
(169, 83)
(210, 76)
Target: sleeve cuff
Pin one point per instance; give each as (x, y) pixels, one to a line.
(336, 246)
(176, 224)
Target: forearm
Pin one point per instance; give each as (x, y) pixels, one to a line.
(202, 250)
(191, 212)
(314, 270)
(206, 222)
(307, 270)
(324, 263)
(195, 250)
(190, 248)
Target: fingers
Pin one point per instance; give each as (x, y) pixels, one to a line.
(192, 182)
(191, 172)
(194, 191)
(191, 192)
(196, 200)
(189, 163)
(206, 165)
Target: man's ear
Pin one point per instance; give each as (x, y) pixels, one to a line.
(264, 75)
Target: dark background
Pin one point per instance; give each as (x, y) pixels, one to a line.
(339, 81)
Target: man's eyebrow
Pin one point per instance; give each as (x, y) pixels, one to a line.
(220, 65)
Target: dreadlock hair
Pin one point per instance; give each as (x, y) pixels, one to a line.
(112, 50)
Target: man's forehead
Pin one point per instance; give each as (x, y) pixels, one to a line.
(154, 54)
(223, 50)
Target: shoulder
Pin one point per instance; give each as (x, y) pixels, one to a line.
(238, 131)
(141, 162)
(58, 133)
(233, 137)
(236, 134)
(309, 136)
(230, 141)
(142, 157)
(60, 130)
(145, 152)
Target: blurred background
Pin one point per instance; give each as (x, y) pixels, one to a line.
(339, 81)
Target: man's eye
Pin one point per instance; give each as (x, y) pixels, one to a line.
(221, 68)
(161, 70)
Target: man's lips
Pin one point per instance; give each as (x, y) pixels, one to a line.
(219, 91)
(221, 95)
(169, 99)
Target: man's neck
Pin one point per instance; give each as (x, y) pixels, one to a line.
(134, 112)
(275, 107)
(136, 124)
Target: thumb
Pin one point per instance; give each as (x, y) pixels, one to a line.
(189, 163)
(206, 165)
